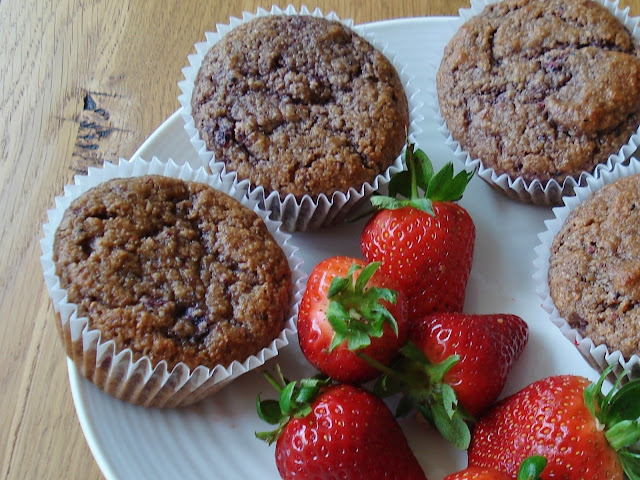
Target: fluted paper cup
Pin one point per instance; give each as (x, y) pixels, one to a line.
(598, 354)
(306, 212)
(113, 369)
(516, 188)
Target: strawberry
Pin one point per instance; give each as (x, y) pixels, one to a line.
(487, 346)
(349, 307)
(530, 469)
(582, 433)
(424, 242)
(334, 431)
(454, 367)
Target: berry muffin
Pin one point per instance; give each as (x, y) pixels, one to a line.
(174, 274)
(302, 108)
(588, 268)
(594, 267)
(540, 92)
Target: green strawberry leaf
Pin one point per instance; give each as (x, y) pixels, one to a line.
(619, 412)
(449, 400)
(355, 312)
(439, 370)
(624, 404)
(400, 184)
(268, 410)
(440, 186)
(437, 188)
(404, 187)
(286, 396)
(269, 437)
(623, 434)
(604, 402)
(338, 284)
(338, 317)
(387, 294)
(531, 468)
(630, 464)
(590, 395)
(365, 275)
(358, 340)
(382, 202)
(384, 314)
(424, 204)
(411, 351)
(459, 184)
(388, 203)
(294, 400)
(423, 168)
(422, 387)
(454, 429)
(309, 388)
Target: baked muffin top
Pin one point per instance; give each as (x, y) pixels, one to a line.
(300, 105)
(541, 89)
(594, 272)
(173, 270)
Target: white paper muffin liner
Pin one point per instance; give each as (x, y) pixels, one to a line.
(306, 213)
(114, 371)
(535, 192)
(598, 355)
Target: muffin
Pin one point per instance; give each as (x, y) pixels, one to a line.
(302, 108)
(589, 262)
(175, 275)
(594, 271)
(540, 92)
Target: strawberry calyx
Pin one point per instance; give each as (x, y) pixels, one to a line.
(355, 311)
(618, 412)
(422, 387)
(441, 186)
(295, 398)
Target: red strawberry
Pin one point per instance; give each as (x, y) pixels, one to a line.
(335, 431)
(530, 469)
(425, 243)
(348, 306)
(486, 344)
(455, 367)
(582, 433)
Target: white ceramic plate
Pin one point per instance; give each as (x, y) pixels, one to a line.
(215, 439)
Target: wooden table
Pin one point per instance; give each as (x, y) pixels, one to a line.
(83, 82)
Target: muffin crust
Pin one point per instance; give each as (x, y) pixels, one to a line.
(541, 89)
(173, 270)
(300, 105)
(594, 271)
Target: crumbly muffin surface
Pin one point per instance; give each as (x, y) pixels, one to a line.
(594, 273)
(541, 89)
(300, 105)
(174, 270)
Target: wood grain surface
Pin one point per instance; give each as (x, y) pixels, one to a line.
(85, 81)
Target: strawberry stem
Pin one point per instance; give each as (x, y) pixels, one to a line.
(410, 159)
